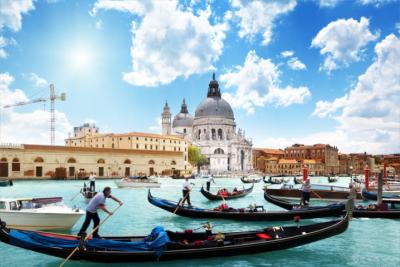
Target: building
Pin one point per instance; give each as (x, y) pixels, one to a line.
(213, 130)
(31, 161)
(89, 136)
(265, 159)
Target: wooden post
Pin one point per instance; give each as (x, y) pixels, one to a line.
(305, 173)
(366, 173)
(380, 186)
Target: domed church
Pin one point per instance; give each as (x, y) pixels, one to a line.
(213, 130)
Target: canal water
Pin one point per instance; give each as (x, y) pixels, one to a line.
(367, 242)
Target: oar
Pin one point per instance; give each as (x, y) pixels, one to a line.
(315, 193)
(182, 200)
(97, 227)
(75, 195)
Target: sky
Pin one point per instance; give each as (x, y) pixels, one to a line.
(305, 72)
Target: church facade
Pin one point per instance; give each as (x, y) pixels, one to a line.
(213, 130)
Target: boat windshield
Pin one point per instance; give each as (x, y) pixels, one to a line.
(2, 205)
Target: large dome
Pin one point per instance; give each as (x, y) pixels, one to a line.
(214, 105)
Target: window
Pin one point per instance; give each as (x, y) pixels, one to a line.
(219, 151)
(145, 139)
(137, 146)
(15, 166)
(39, 159)
(129, 138)
(137, 138)
(101, 161)
(163, 147)
(145, 146)
(120, 138)
(151, 139)
(151, 146)
(112, 145)
(151, 161)
(127, 161)
(173, 162)
(2, 205)
(71, 160)
(219, 134)
(213, 134)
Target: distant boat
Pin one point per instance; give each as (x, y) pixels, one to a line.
(230, 195)
(38, 213)
(142, 182)
(251, 179)
(6, 182)
(386, 197)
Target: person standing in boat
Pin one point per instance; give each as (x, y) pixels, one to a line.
(97, 202)
(92, 179)
(305, 193)
(186, 187)
(209, 180)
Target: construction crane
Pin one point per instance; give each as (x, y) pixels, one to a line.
(53, 97)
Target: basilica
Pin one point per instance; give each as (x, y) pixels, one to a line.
(213, 130)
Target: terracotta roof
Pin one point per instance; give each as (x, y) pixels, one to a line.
(309, 161)
(270, 151)
(135, 134)
(287, 161)
(101, 150)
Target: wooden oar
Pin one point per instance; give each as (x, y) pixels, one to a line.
(94, 229)
(182, 200)
(75, 195)
(315, 193)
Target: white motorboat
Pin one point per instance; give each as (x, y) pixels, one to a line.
(138, 183)
(38, 213)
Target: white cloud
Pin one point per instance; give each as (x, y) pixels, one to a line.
(369, 114)
(257, 83)
(11, 13)
(3, 43)
(157, 125)
(376, 3)
(169, 42)
(99, 24)
(397, 26)
(27, 127)
(329, 3)
(131, 6)
(287, 53)
(295, 64)
(342, 42)
(37, 80)
(259, 16)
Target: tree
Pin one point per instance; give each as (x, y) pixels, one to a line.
(196, 158)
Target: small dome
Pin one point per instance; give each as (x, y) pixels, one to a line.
(182, 120)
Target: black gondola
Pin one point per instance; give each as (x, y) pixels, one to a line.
(246, 214)
(177, 245)
(239, 193)
(386, 197)
(250, 180)
(358, 212)
(6, 182)
(273, 179)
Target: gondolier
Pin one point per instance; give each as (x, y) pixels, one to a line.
(97, 202)
(186, 187)
(305, 193)
(209, 180)
(92, 179)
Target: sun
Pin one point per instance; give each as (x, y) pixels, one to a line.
(80, 58)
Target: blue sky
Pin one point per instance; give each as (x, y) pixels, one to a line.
(294, 71)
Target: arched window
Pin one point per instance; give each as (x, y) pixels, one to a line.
(71, 160)
(127, 161)
(3, 160)
(39, 159)
(173, 162)
(101, 161)
(151, 161)
(220, 134)
(218, 151)
(184, 130)
(198, 136)
(15, 166)
(213, 134)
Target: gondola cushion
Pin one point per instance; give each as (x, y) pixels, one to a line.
(263, 236)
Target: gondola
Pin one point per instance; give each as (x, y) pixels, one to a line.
(288, 192)
(297, 180)
(250, 180)
(386, 197)
(167, 245)
(240, 193)
(87, 193)
(246, 214)
(6, 182)
(358, 212)
(332, 179)
(273, 180)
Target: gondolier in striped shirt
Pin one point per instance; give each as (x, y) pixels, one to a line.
(186, 187)
(209, 180)
(97, 202)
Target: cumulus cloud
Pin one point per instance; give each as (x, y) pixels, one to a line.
(27, 127)
(376, 3)
(257, 83)
(295, 64)
(257, 17)
(131, 6)
(369, 114)
(342, 42)
(169, 41)
(11, 13)
(3, 43)
(287, 53)
(329, 3)
(37, 80)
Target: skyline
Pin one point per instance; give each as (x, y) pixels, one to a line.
(334, 79)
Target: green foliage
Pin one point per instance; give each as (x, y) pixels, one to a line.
(195, 157)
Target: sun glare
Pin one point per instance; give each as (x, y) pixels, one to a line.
(80, 58)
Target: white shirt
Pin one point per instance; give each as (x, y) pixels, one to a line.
(186, 185)
(95, 202)
(210, 179)
(92, 177)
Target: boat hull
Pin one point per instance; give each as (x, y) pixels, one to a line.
(40, 221)
(123, 184)
(240, 194)
(316, 194)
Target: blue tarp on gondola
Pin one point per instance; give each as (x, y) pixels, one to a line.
(156, 241)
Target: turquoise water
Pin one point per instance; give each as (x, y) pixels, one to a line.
(367, 242)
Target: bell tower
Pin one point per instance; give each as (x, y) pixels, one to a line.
(166, 120)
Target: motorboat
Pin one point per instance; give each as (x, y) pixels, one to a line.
(138, 182)
(38, 213)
